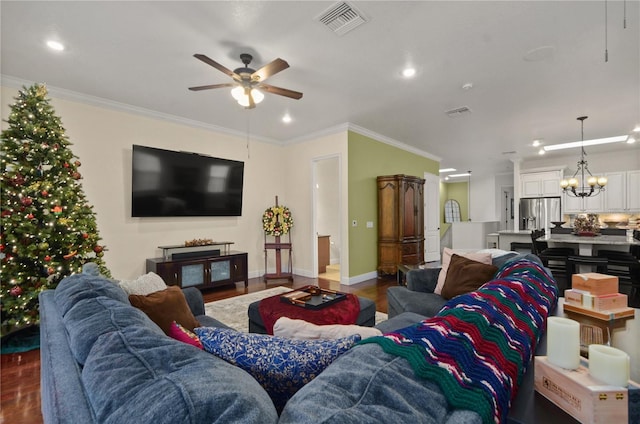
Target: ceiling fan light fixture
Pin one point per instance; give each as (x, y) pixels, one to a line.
(242, 99)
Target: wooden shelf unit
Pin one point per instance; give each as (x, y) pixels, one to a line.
(205, 272)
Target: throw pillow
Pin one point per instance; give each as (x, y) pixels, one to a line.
(466, 275)
(143, 285)
(282, 366)
(166, 306)
(485, 258)
(180, 333)
(303, 330)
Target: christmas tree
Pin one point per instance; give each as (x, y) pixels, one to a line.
(48, 230)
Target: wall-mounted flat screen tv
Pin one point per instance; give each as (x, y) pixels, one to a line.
(170, 183)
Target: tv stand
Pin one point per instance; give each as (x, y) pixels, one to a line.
(222, 269)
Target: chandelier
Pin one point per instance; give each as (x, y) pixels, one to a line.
(588, 185)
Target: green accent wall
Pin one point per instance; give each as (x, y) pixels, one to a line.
(455, 191)
(367, 159)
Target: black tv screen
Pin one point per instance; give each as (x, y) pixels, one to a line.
(169, 183)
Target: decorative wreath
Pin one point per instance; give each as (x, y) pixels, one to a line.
(277, 221)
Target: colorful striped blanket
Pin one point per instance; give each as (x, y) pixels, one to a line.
(478, 348)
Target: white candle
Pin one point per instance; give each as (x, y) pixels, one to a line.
(563, 342)
(609, 364)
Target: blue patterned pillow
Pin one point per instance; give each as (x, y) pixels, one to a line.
(282, 366)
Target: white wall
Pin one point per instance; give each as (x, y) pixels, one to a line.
(483, 188)
(298, 171)
(102, 139)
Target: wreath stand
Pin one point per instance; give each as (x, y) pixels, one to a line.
(278, 246)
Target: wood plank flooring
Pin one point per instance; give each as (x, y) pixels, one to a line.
(20, 372)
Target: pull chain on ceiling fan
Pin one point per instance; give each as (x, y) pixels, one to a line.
(248, 82)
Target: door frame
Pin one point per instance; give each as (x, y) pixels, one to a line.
(431, 210)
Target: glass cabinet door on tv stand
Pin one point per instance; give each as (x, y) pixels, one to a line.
(202, 272)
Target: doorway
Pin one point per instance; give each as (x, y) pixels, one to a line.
(506, 208)
(328, 217)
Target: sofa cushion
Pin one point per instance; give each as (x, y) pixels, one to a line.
(465, 275)
(137, 376)
(485, 258)
(144, 284)
(88, 319)
(76, 287)
(282, 366)
(166, 306)
(178, 332)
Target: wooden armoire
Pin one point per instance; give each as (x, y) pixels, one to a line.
(400, 222)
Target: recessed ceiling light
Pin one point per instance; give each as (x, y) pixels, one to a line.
(55, 45)
(535, 143)
(467, 86)
(286, 118)
(631, 140)
(637, 128)
(408, 72)
(541, 152)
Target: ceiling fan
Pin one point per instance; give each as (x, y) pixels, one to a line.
(247, 81)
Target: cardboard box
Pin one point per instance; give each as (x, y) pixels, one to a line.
(594, 283)
(580, 395)
(603, 302)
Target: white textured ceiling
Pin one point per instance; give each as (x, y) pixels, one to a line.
(141, 54)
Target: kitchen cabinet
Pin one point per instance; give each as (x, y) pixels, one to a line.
(400, 222)
(541, 184)
(203, 273)
(622, 192)
(573, 205)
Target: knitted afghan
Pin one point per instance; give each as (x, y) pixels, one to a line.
(478, 348)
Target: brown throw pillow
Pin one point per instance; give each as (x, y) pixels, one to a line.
(465, 275)
(166, 306)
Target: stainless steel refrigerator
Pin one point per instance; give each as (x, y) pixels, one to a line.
(539, 213)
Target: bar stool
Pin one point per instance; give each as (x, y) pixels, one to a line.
(598, 264)
(625, 266)
(554, 258)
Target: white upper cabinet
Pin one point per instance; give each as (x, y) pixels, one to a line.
(622, 192)
(541, 184)
(593, 204)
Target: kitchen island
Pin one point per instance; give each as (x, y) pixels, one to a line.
(588, 246)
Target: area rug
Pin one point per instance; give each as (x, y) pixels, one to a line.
(234, 311)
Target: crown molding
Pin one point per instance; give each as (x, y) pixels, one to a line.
(64, 94)
(392, 142)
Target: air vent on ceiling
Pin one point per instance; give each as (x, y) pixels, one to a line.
(341, 18)
(457, 112)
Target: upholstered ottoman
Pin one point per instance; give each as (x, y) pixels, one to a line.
(366, 317)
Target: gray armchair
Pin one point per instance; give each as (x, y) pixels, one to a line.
(418, 295)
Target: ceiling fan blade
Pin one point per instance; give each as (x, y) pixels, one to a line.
(216, 65)
(269, 69)
(209, 87)
(281, 91)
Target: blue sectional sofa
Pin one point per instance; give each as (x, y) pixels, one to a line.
(104, 361)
